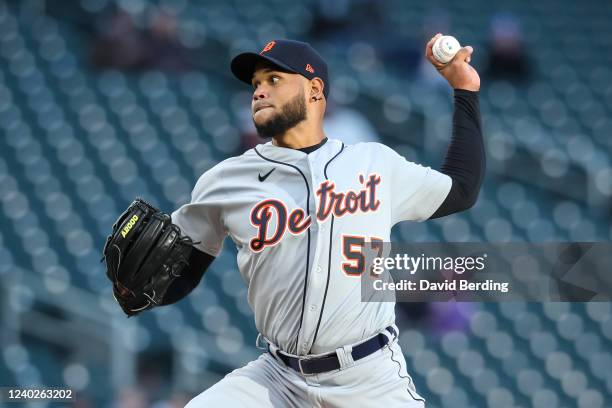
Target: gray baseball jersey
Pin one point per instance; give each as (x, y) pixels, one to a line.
(298, 221)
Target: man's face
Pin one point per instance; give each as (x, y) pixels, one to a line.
(278, 102)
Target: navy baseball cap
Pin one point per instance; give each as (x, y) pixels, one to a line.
(293, 56)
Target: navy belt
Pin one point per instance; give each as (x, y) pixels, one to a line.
(330, 362)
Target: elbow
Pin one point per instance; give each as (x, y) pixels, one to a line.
(469, 196)
(472, 191)
(470, 201)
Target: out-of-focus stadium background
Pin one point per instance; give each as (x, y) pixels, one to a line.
(102, 100)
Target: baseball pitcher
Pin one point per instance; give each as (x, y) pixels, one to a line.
(299, 208)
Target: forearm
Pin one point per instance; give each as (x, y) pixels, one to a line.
(190, 278)
(465, 158)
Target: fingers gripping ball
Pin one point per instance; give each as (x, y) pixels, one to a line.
(144, 254)
(445, 48)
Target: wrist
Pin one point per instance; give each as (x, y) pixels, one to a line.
(463, 91)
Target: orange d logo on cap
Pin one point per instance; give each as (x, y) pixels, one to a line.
(268, 47)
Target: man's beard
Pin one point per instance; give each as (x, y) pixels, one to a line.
(290, 115)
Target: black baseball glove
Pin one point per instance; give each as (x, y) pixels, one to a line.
(144, 254)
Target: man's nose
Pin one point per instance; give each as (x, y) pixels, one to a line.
(260, 93)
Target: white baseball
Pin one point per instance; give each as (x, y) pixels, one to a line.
(445, 48)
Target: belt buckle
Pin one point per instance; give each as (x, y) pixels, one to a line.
(302, 368)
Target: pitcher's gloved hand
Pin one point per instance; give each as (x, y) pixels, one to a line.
(144, 254)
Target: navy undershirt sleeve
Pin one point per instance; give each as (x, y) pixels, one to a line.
(190, 277)
(465, 158)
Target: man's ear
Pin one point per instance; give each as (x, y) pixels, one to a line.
(316, 88)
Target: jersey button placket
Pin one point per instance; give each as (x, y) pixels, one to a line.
(317, 280)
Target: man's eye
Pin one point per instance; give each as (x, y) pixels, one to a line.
(271, 80)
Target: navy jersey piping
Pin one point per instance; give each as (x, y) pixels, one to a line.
(331, 234)
(308, 231)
